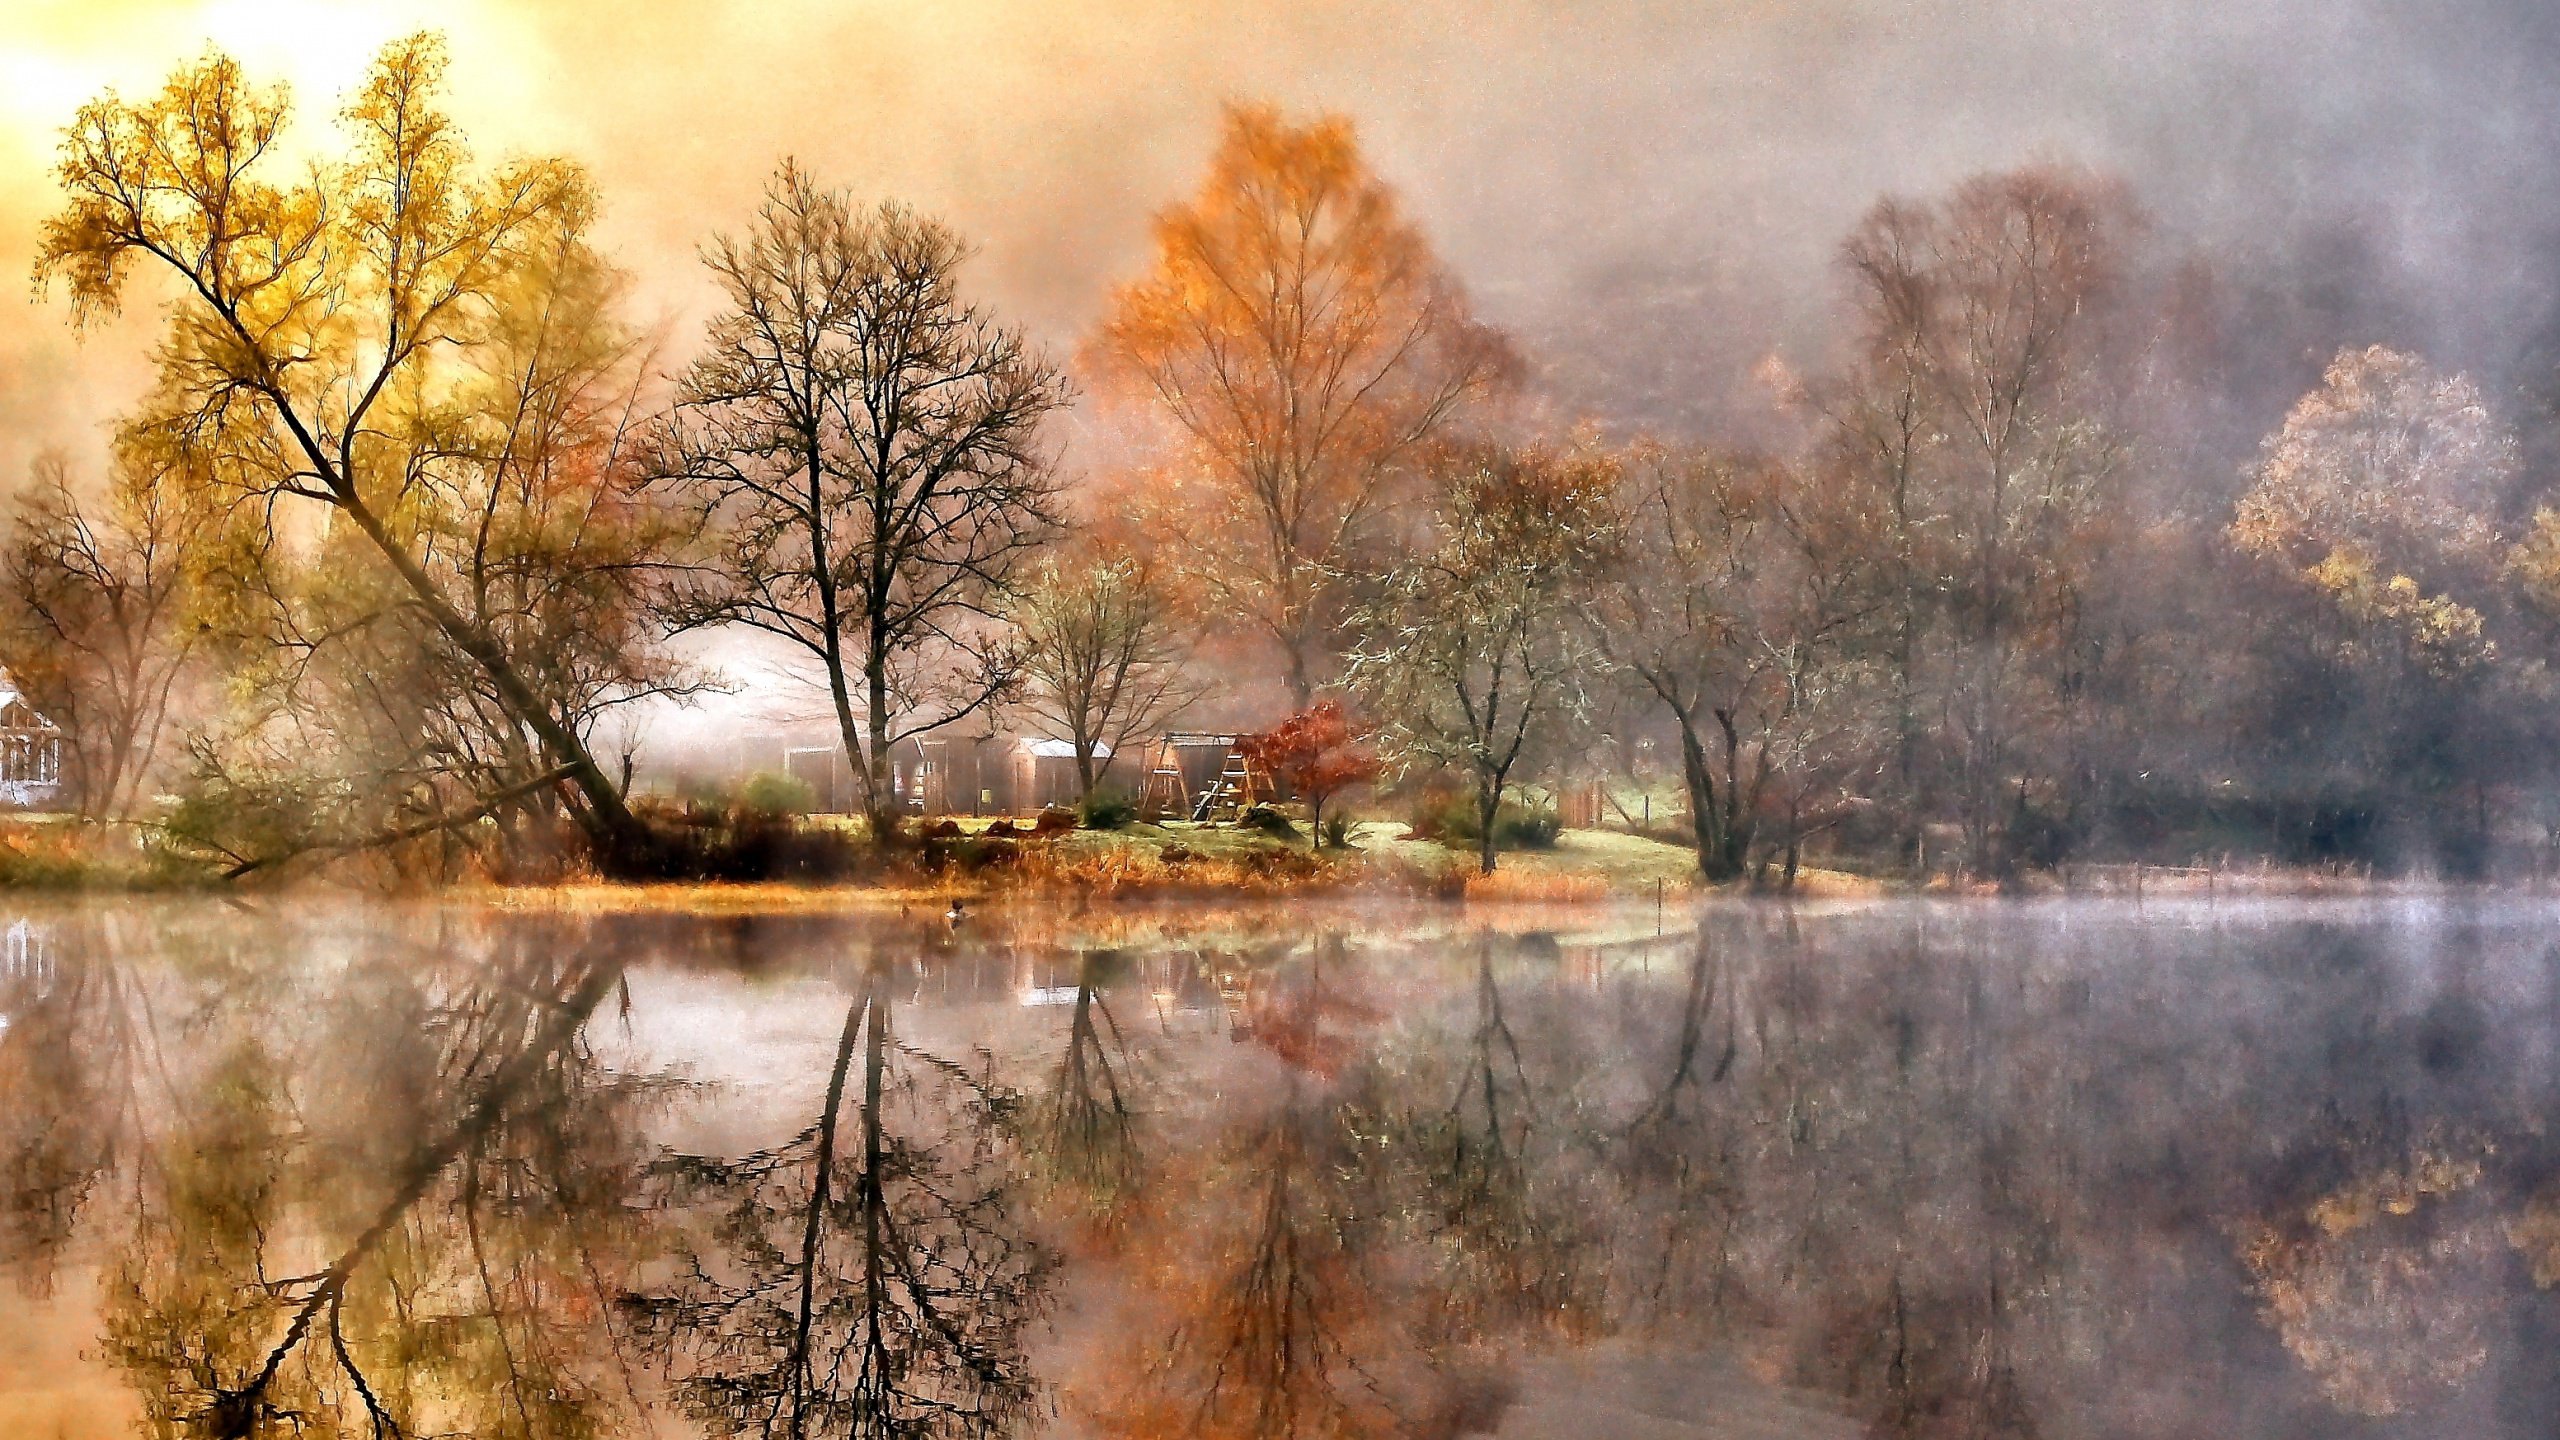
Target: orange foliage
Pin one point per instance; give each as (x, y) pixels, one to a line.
(1315, 754)
(2384, 1296)
(1259, 1321)
(1300, 335)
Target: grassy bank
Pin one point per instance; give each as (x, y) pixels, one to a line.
(990, 861)
(996, 859)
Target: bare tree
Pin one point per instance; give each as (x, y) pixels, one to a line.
(95, 623)
(1476, 653)
(859, 445)
(1730, 591)
(1977, 429)
(1103, 653)
(1298, 332)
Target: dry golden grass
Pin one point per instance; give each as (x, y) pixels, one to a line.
(1838, 885)
(701, 897)
(1135, 870)
(1513, 887)
(1196, 866)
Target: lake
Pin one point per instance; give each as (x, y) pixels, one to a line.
(2088, 1168)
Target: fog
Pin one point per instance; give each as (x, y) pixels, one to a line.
(1649, 195)
(1344, 1161)
(1910, 1169)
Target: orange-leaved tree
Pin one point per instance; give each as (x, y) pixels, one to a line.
(1303, 341)
(1317, 754)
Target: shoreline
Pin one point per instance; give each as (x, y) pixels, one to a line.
(1148, 865)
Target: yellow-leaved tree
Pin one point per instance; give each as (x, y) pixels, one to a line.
(400, 372)
(2380, 491)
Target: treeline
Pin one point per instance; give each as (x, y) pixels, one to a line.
(413, 515)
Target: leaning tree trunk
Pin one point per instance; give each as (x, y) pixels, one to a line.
(616, 832)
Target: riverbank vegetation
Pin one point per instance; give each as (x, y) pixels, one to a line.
(2019, 574)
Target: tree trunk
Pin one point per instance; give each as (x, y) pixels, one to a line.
(1741, 810)
(1705, 819)
(1488, 801)
(1906, 733)
(617, 833)
(817, 1214)
(875, 763)
(848, 726)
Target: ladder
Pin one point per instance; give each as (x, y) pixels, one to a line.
(1236, 789)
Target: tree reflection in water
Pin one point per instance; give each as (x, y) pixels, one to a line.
(1084, 1130)
(395, 1228)
(868, 1278)
(1921, 1171)
(1259, 1314)
(73, 1031)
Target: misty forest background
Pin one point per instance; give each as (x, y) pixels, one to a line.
(2059, 512)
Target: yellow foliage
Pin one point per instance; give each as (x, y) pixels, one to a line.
(2386, 456)
(2442, 633)
(2534, 563)
(2394, 1192)
(2536, 1233)
(2392, 470)
(2386, 1297)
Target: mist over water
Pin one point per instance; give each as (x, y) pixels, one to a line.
(285, 1164)
(2087, 1168)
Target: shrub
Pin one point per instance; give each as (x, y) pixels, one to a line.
(1269, 821)
(223, 814)
(1451, 820)
(1337, 831)
(747, 844)
(1102, 811)
(1517, 827)
(769, 792)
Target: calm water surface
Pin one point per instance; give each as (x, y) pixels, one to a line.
(1903, 1169)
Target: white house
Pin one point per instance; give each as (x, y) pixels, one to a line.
(30, 753)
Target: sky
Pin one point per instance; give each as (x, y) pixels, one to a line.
(1648, 194)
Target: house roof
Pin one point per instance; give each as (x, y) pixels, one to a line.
(9, 696)
(1061, 749)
